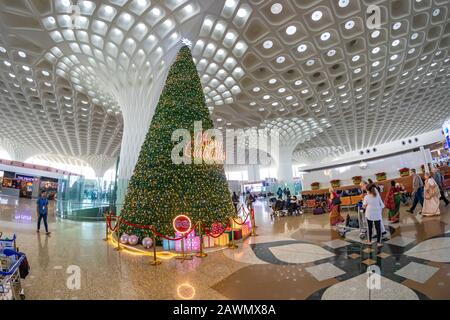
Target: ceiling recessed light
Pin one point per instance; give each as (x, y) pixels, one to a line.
(281, 59)
(276, 8)
(302, 48)
(45, 73)
(356, 58)
(414, 36)
(22, 54)
(267, 44)
(343, 3)
(298, 82)
(7, 63)
(273, 81)
(397, 25)
(331, 53)
(26, 68)
(256, 89)
(156, 12)
(310, 63)
(291, 30)
(349, 24)
(261, 109)
(317, 15)
(2, 50)
(436, 12)
(375, 34)
(241, 13)
(325, 36)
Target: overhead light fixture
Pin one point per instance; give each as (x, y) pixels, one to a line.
(276, 8)
(268, 44)
(317, 15)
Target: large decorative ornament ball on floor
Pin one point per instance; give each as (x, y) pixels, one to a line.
(124, 238)
(147, 242)
(133, 240)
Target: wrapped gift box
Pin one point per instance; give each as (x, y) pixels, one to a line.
(228, 233)
(168, 245)
(208, 241)
(221, 240)
(191, 242)
(245, 231)
(237, 234)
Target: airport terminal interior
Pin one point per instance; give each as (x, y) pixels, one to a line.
(224, 149)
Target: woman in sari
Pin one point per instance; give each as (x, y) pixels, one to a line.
(335, 208)
(392, 202)
(431, 193)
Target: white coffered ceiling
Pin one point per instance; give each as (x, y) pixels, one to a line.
(70, 71)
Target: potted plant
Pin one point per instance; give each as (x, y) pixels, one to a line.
(380, 176)
(357, 180)
(404, 172)
(315, 186)
(335, 183)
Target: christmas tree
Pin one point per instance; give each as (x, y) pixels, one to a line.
(159, 189)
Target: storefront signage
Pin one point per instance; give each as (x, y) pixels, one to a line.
(25, 178)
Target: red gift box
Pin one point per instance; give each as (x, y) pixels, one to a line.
(237, 234)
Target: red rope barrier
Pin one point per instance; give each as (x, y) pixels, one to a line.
(153, 230)
(156, 233)
(108, 222)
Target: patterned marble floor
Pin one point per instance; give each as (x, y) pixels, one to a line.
(291, 258)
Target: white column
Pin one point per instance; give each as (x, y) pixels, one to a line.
(284, 164)
(253, 172)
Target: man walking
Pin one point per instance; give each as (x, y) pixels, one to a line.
(417, 190)
(440, 182)
(42, 211)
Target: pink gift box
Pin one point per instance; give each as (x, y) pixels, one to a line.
(191, 243)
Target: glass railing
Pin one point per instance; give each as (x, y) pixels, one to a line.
(82, 211)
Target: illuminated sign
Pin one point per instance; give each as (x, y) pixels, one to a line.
(182, 224)
(446, 129)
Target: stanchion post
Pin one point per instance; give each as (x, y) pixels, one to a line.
(106, 227)
(118, 234)
(232, 245)
(252, 219)
(200, 254)
(155, 261)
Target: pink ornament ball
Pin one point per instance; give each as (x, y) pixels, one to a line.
(147, 242)
(133, 240)
(124, 238)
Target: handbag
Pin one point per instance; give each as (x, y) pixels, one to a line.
(336, 201)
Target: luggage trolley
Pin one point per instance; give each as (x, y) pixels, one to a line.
(10, 285)
(352, 224)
